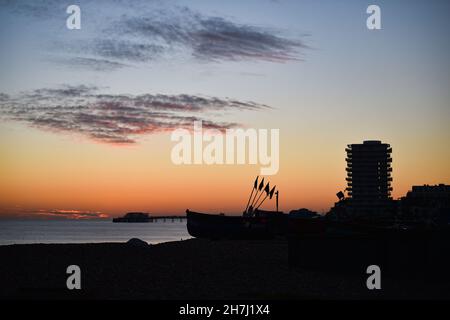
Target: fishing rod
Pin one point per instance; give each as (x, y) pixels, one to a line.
(276, 194)
(255, 186)
(266, 189)
(267, 195)
(261, 185)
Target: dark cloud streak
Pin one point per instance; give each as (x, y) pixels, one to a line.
(145, 31)
(116, 119)
(214, 38)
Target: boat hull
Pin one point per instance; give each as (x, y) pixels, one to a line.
(211, 226)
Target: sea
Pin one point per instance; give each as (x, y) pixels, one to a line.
(89, 231)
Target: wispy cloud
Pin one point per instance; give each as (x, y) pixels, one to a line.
(69, 214)
(213, 38)
(19, 212)
(146, 32)
(116, 119)
(96, 64)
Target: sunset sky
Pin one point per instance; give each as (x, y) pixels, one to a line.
(86, 115)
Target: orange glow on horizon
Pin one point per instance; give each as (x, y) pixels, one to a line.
(43, 171)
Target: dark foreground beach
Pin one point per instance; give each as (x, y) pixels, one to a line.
(191, 269)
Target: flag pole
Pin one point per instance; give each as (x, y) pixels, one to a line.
(276, 194)
(255, 185)
(261, 194)
(262, 201)
(260, 187)
(251, 204)
(265, 198)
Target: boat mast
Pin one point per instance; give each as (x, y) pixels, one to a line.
(260, 187)
(276, 194)
(255, 185)
(268, 194)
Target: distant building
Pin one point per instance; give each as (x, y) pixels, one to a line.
(426, 194)
(368, 181)
(369, 191)
(427, 202)
(369, 171)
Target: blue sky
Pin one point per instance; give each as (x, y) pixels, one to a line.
(315, 61)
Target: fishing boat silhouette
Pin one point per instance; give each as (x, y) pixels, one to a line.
(254, 223)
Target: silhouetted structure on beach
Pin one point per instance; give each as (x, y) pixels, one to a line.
(254, 223)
